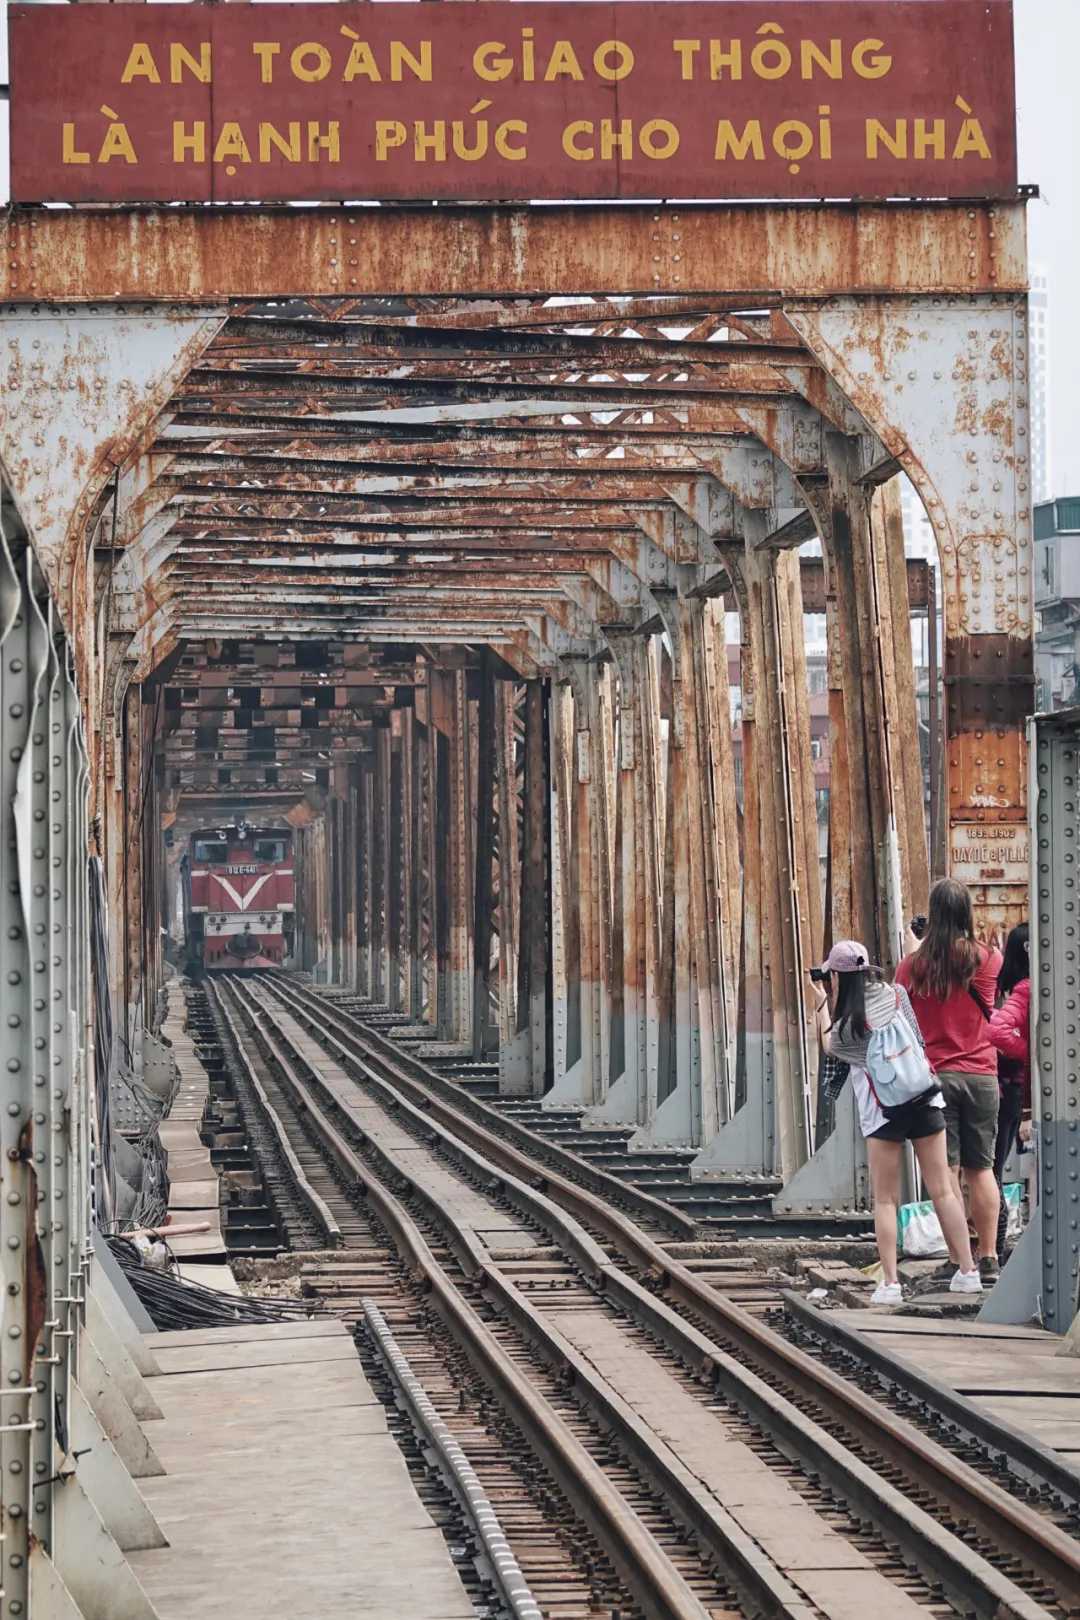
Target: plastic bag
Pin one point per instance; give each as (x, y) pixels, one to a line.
(1013, 1193)
(920, 1232)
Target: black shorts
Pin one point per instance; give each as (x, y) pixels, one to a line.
(919, 1120)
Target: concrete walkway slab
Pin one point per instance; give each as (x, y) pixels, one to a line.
(285, 1494)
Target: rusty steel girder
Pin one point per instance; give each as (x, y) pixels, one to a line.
(445, 577)
(789, 250)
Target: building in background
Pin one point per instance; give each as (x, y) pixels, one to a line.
(1057, 603)
(919, 538)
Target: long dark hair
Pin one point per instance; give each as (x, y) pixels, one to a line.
(948, 957)
(1014, 965)
(849, 1010)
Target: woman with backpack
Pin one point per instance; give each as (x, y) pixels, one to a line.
(873, 1030)
(952, 982)
(1009, 1032)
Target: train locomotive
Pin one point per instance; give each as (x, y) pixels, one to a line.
(238, 897)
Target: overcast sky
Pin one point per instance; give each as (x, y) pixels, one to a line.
(1047, 51)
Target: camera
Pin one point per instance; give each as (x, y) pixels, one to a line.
(819, 975)
(918, 926)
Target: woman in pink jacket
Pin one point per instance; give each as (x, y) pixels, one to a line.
(1009, 1033)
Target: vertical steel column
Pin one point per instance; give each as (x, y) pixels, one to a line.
(772, 1130)
(461, 897)
(875, 778)
(23, 1269)
(636, 956)
(694, 1109)
(441, 815)
(871, 844)
(395, 869)
(427, 852)
(348, 875)
(674, 1065)
(506, 707)
(74, 1014)
(1042, 1277)
(333, 886)
(1055, 973)
(380, 834)
(412, 999)
(839, 923)
(657, 820)
(899, 702)
(525, 1061)
(939, 843)
(583, 879)
(604, 769)
(485, 844)
(719, 754)
(365, 899)
(796, 714)
(565, 937)
(38, 795)
(44, 1124)
(944, 383)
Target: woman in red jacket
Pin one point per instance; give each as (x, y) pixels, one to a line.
(952, 982)
(1009, 1031)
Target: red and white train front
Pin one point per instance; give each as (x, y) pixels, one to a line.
(239, 893)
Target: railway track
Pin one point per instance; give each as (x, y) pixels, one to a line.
(742, 1475)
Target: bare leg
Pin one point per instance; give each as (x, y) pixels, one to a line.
(985, 1203)
(885, 1160)
(962, 1191)
(939, 1181)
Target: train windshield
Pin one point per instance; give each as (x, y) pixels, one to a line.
(213, 848)
(216, 848)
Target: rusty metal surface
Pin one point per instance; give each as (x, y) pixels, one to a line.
(183, 255)
(886, 99)
(358, 505)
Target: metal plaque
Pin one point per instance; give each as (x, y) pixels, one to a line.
(503, 100)
(989, 852)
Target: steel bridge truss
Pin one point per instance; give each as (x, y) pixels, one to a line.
(450, 573)
(397, 526)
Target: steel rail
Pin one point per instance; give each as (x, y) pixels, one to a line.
(962, 1571)
(314, 1201)
(1011, 1524)
(1037, 1462)
(474, 1499)
(642, 1563)
(540, 1148)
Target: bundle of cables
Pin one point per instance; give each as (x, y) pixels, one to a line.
(172, 1303)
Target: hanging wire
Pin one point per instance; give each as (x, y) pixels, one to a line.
(172, 1303)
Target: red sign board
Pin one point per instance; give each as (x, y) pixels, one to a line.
(506, 99)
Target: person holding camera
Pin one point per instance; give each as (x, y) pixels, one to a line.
(870, 1026)
(952, 982)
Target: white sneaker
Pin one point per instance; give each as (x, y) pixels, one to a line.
(887, 1294)
(966, 1282)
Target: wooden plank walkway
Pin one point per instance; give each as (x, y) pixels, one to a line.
(835, 1576)
(195, 1188)
(285, 1494)
(1014, 1372)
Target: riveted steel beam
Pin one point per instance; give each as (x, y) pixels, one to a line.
(184, 254)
